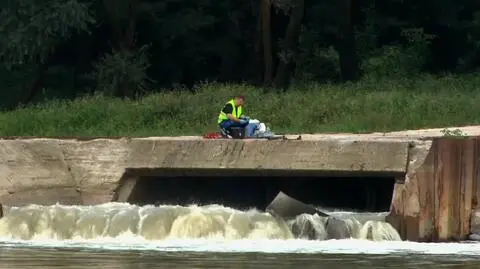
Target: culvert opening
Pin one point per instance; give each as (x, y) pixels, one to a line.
(252, 189)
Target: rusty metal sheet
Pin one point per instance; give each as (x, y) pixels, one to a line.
(454, 179)
(446, 188)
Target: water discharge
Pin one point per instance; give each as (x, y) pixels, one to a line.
(168, 222)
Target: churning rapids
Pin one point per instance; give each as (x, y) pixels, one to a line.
(166, 222)
(201, 229)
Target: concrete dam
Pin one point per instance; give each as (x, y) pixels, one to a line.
(425, 182)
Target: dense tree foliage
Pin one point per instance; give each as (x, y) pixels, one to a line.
(126, 48)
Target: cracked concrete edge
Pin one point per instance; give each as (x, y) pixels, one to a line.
(92, 169)
(427, 133)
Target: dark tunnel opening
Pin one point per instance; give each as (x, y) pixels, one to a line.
(361, 193)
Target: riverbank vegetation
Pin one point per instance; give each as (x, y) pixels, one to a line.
(352, 107)
(155, 67)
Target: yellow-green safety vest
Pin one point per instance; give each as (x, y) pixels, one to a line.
(237, 112)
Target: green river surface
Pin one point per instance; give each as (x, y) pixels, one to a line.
(20, 257)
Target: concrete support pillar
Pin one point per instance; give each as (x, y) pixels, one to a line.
(125, 188)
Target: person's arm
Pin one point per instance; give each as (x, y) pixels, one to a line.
(228, 109)
(235, 119)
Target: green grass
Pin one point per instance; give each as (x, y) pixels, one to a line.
(365, 106)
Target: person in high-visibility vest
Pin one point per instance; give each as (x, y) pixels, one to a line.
(231, 115)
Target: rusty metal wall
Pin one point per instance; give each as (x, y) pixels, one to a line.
(455, 186)
(437, 200)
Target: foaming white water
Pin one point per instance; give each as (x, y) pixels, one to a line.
(214, 222)
(149, 222)
(362, 217)
(212, 228)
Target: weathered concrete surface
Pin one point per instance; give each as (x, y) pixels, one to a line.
(434, 203)
(47, 171)
(70, 171)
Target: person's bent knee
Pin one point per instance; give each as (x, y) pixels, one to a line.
(226, 124)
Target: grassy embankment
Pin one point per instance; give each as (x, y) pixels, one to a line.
(359, 107)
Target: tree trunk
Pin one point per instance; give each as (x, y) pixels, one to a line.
(123, 34)
(347, 48)
(129, 36)
(258, 52)
(33, 88)
(265, 11)
(285, 66)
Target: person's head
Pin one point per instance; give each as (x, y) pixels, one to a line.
(239, 100)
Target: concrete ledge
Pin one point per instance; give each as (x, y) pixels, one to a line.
(437, 201)
(43, 170)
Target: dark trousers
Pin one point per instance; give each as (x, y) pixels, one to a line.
(227, 124)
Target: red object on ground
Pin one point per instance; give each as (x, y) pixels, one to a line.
(213, 136)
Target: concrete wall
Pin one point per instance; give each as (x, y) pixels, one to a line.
(435, 202)
(46, 171)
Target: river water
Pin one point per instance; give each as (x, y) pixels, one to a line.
(127, 236)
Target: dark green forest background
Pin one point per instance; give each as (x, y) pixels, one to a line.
(128, 48)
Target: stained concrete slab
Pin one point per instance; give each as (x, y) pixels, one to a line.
(72, 171)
